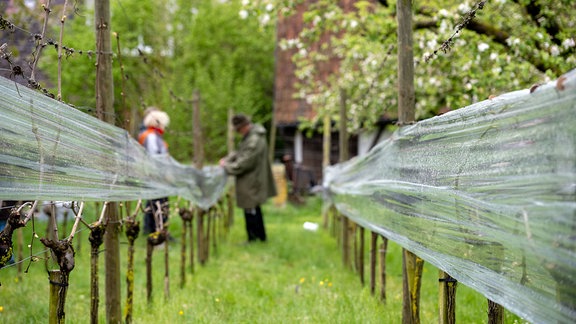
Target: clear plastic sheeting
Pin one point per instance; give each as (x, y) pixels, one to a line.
(485, 193)
(51, 151)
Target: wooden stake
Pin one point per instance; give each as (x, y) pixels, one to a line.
(495, 313)
(200, 235)
(346, 260)
(58, 289)
(383, 250)
(183, 253)
(326, 142)
(373, 244)
(446, 298)
(412, 267)
(191, 231)
(361, 255)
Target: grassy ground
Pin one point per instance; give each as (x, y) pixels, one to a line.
(295, 277)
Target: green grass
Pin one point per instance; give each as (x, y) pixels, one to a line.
(295, 277)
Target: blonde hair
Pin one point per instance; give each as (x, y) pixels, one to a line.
(157, 118)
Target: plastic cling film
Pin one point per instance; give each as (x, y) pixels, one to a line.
(50, 151)
(486, 193)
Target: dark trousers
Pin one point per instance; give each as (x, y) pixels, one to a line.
(151, 209)
(255, 224)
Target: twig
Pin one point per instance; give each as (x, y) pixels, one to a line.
(39, 46)
(138, 208)
(101, 215)
(30, 212)
(62, 20)
(77, 220)
(158, 217)
(447, 44)
(122, 74)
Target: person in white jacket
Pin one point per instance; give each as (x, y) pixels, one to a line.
(151, 137)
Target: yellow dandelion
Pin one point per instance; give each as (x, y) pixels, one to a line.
(321, 283)
(1, 309)
(217, 300)
(302, 280)
(181, 313)
(329, 284)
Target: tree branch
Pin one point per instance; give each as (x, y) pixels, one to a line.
(534, 10)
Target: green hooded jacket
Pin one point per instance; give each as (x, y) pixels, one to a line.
(251, 167)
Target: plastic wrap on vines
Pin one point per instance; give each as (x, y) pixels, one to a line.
(51, 151)
(486, 193)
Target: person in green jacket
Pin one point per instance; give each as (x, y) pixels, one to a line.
(254, 180)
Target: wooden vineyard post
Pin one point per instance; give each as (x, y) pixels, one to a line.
(360, 254)
(58, 289)
(208, 236)
(215, 232)
(166, 270)
(105, 112)
(132, 230)
(446, 298)
(373, 244)
(495, 252)
(411, 264)
(344, 154)
(183, 253)
(198, 135)
(346, 242)
(200, 236)
(412, 267)
(191, 240)
(383, 250)
(495, 313)
(149, 250)
(326, 140)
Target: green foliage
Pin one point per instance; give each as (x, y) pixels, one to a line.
(167, 51)
(509, 45)
(229, 60)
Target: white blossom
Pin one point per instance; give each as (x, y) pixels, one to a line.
(245, 2)
(443, 13)
(497, 70)
(569, 42)
(243, 14)
(483, 46)
(554, 50)
(493, 56)
(514, 41)
(265, 19)
(269, 7)
(464, 7)
(316, 20)
(353, 24)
